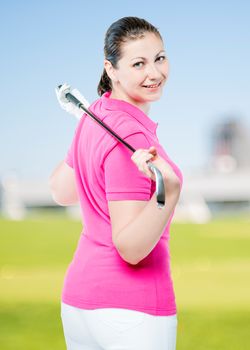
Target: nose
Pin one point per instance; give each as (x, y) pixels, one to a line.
(153, 72)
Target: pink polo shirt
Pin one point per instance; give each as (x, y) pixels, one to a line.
(97, 276)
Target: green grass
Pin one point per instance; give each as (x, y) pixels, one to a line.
(210, 268)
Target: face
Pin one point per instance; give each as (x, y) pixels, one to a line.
(143, 63)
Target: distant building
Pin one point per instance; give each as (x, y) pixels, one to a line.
(230, 146)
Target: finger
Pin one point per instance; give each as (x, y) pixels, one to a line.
(136, 154)
(145, 155)
(153, 150)
(141, 155)
(142, 161)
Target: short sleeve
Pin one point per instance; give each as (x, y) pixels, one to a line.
(123, 179)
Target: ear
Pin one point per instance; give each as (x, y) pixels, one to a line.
(110, 70)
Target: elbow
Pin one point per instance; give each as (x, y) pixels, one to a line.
(130, 260)
(52, 188)
(127, 256)
(62, 195)
(134, 260)
(132, 254)
(57, 200)
(62, 185)
(56, 194)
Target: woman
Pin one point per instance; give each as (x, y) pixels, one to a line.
(118, 291)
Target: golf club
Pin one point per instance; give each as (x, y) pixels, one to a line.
(160, 189)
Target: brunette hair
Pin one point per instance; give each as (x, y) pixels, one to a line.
(124, 29)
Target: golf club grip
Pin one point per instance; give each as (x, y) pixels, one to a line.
(160, 188)
(73, 99)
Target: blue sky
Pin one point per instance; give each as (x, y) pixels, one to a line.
(47, 43)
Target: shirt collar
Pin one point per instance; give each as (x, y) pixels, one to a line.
(113, 104)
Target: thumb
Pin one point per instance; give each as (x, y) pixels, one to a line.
(153, 149)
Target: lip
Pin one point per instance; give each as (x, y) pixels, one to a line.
(154, 88)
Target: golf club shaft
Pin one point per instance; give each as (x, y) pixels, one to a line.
(76, 102)
(160, 188)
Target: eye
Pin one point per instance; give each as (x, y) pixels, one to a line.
(161, 57)
(158, 58)
(136, 64)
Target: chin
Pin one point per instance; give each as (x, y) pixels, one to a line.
(146, 98)
(155, 97)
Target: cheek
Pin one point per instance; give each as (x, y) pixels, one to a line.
(166, 68)
(133, 79)
(127, 78)
(165, 72)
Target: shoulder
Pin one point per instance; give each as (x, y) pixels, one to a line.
(123, 123)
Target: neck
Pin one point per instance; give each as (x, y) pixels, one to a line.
(144, 106)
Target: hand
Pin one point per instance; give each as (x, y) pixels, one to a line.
(69, 106)
(141, 156)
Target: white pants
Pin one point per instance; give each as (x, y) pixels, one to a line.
(117, 329)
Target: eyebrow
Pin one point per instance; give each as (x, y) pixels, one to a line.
(145, 58)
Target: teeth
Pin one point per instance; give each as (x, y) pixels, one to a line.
(152, 86)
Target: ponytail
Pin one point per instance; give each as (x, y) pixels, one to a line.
(105, 83)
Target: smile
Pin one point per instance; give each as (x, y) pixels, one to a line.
(154, 86)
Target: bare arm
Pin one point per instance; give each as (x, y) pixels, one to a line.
(138, 238)
(63, 186)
